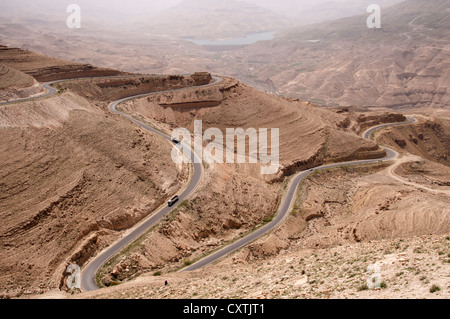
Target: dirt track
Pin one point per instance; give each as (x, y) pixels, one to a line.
(411, 158)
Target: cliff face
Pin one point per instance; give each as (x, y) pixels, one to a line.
(429, 139)
(234, 198)
(202, 78)
(71, 177)
(404, 64)
(16, 85)
(45, 69)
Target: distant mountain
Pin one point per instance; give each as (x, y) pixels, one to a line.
(339, 62)
(406, 63)
(314, 11)
(213, 20)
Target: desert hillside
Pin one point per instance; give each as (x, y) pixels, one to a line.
(309, 135)
(213, 20)
(71, 173)
(341, 62)
(45, 69)
(11, 77)
(344, 220)
(74, 176)
(403, 64)
(15, 84)
(358, 137)
(234, 199)
(430, 139)
(332, 273)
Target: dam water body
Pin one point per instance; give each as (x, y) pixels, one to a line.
(247, 40)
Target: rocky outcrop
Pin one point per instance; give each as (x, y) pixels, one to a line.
(202, 78)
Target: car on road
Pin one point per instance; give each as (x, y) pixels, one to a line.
(173, 201)
(175, 141)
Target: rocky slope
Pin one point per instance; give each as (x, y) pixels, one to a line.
(342, 62)
(344, 221)
(213, 20)
(72, 177)
(409, 269)
(15, 84)
(404, 64)
(45, 69)
(233, 198)
(430, 139)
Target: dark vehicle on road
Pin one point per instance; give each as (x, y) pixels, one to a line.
(173, 201)
(175, 141)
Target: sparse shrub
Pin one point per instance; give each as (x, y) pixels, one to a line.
(114, 283)
(383, 285)
(268, 219)
(157, 273)
(187, 262)
(435, 288)
(363, 287)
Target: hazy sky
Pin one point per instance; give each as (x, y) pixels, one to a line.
(119, 9)
(130, 14)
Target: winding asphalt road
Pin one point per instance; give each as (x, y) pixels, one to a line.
(88, 276)
(289, 199)
(50, 91)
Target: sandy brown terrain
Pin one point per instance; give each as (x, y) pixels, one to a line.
(213, 19)
(347, 218)
(70, 189)
(72, 177)
(75, 176)
(425, 173)
(45, 69)
(342, 62)
(430, 139)
(308, 134)
(235, 199)
(344, 221)
(409, 269)
(69, 172)
(15, 84)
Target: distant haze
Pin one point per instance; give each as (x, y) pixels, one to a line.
(127, 15)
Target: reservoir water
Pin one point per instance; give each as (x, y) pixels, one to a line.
(247, 40)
